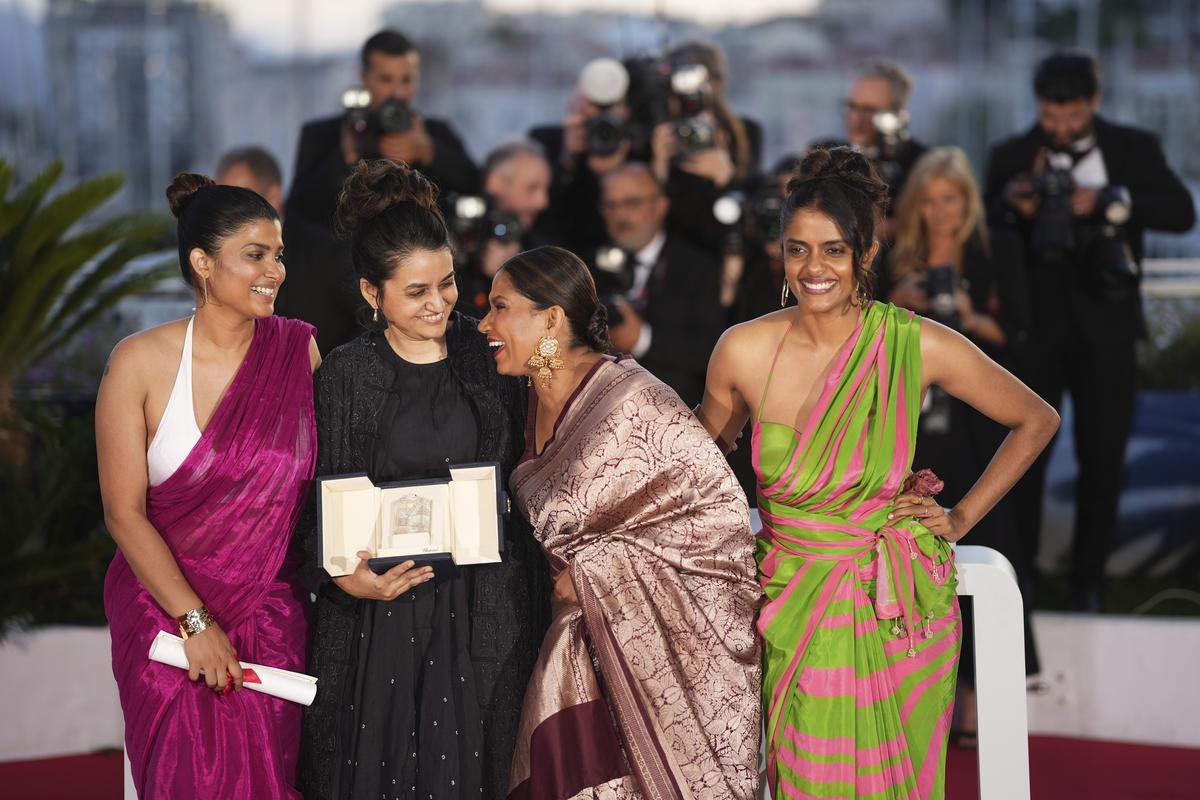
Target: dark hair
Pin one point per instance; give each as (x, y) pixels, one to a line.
(509, 151)
(388, 41)
(388, 211)
(551, 276)
(209, 213)
(843, 184)
(262, 164)
(1065, 76)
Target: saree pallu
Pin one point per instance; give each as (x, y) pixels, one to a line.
(861, 629)
(227, 514)
(649, 687)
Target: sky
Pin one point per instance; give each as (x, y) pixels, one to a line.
(275, 25)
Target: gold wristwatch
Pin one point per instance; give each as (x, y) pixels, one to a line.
(195, 621)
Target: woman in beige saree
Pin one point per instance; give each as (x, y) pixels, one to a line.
(647, 682)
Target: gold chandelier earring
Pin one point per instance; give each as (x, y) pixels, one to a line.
(783, 296)
(544, 359)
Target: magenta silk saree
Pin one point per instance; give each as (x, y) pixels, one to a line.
(650, 687)
(227, 514)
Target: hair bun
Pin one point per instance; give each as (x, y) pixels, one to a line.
(375, 186)
(183, 188)
(597, 330)
(843, 164)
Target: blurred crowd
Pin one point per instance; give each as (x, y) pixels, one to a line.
(658, 185)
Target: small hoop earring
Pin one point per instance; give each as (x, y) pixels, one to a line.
(544, 359)
(783, 296)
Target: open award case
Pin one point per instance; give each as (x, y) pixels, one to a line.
(441, 522)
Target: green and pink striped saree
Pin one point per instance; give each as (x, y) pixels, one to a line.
(861, 629)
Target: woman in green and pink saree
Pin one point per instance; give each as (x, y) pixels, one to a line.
(861, 628)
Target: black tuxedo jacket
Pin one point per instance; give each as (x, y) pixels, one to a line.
(1064, 298)
(321, 169)
(683, 310)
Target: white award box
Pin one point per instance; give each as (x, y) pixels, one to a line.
(444, 522)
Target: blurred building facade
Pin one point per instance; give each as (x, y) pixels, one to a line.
(150, 87)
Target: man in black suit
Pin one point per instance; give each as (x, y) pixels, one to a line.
(516, 184)
(670, 314)
(1080, 191)
(391, 70)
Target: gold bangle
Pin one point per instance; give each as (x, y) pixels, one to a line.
(195, 621)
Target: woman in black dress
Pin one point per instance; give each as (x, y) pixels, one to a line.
(421, 680)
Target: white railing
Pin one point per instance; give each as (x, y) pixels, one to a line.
(1171, 277)
(988, 578)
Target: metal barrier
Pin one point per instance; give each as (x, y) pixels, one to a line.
(988, 578)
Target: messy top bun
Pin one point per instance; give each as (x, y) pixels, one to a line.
(183, 188)
(843, 184)
(388, 211)
(209, 213)
(551, 276)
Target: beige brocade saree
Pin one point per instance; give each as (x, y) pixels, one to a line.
(650, 687)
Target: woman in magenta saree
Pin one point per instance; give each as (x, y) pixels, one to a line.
(204, 518)
(647, 682)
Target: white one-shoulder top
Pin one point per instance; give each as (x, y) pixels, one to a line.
(178, 432)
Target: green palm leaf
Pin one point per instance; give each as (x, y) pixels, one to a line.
(103, 300)
(54, 283)
(17, 211)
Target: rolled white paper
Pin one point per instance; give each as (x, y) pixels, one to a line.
(294, 686)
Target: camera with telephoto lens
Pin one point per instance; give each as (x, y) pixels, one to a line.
(604, 134)
(612, 272)
(661, 90)
(749, 216)
(1098, 243)
(473, 221)
(1053, 235)
(941, 286)
(892, 137)
(369, 124)
(603, 82)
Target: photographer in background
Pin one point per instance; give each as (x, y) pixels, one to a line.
(661, 293)
(491, 229)
(379, 122)
(699, 148)
(946, 265)
(1080, 191)
(877, 123)
(594, 139)
(252, 168)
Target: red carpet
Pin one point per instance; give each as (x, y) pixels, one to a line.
(1061, 769)
(1083, 769)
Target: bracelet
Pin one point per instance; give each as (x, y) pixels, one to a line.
(195, 621)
